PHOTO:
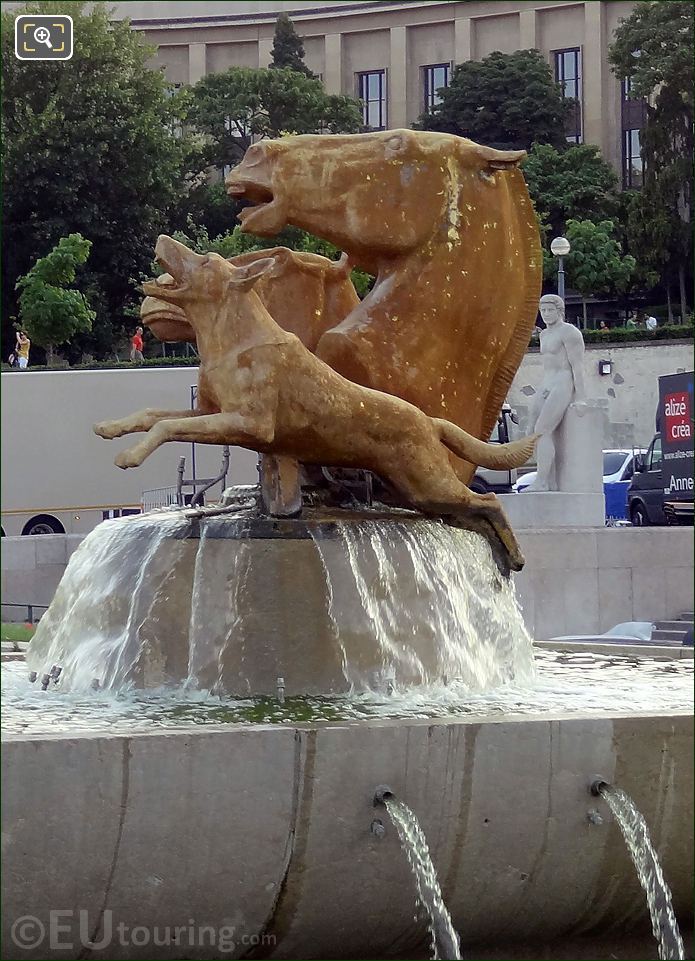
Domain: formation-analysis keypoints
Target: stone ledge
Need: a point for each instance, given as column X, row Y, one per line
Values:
column 535, row 510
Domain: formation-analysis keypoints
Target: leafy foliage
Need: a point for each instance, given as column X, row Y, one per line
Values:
column 573, row 184
column 626, row 335
column 595, row 263
column 507, row 100
column 288, row 48
column 235, row 108
column 653, row 50
column 50, row 313
column 237, row 242
column 89, row 146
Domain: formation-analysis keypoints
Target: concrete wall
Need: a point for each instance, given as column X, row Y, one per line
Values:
column 31, row 569
column 631, row 390
column 585, row 581
column 266, row 831
column 574, row 581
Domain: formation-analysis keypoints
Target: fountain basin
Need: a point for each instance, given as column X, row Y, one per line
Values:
column 241, row 604
column 266, row 829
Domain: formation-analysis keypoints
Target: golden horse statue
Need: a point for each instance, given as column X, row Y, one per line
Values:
column 447, row 227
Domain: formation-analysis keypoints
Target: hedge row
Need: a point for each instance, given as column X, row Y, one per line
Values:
column 618, row 335
column 120, row 365
column 621, row 335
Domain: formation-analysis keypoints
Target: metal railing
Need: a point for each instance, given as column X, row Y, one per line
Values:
column 159, row 497
column 30, row 609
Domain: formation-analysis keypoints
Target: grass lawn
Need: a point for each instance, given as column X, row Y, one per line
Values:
column 16, row 632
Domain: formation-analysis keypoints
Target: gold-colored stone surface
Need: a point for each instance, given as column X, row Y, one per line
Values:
column 260, row 387
column 306, row 294
column 448, row 228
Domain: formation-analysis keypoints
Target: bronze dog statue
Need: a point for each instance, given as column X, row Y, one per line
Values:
column 259, row 387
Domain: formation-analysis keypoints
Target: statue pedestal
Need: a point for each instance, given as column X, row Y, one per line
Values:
column 578, row 446
column 538, row 510
column 579, row 500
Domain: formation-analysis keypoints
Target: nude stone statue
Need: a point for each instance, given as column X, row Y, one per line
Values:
column 562, row 349
column 260, row 387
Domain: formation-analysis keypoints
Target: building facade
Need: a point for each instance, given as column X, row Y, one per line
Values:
column 396, row 56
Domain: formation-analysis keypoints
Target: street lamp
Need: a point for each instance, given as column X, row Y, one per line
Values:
column 559, row 248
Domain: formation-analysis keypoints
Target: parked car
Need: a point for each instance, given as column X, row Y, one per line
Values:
column 618, row 468
column 648, row 501
column 645, row 496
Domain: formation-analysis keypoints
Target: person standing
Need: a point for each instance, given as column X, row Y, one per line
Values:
column 22, row 350
column 650, row 322
column 136, row 345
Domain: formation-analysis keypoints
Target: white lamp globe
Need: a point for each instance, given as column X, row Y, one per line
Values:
column 560, row 247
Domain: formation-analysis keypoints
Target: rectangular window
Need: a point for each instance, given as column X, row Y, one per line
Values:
column 371, row 90
column 633, row 168
column 434, row 78
column 568, row 73
column 632, row 115
column 176, row 126
column 655, row 462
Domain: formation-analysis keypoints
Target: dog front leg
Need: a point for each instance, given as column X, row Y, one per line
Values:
column 222, row 428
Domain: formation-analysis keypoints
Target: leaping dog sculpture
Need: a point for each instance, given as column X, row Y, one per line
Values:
column 259, row 387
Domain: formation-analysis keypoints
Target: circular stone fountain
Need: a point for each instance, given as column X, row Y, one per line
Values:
column 248, row 823
column 241, row 604
column 194, row 774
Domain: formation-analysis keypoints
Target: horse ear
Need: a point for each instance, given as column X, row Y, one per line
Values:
column 342, row 267
column 245, row 277
column 499, row 159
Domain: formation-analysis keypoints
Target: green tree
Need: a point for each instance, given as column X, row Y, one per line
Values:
column 208, row 205
column 89, row 145
column 507, row 100
column 595, row 263
column 51, row 313
column 573, row 184
column 237, row 107
column 236, row 242
column 649, row 236
column 653, row 50
column 288, row 48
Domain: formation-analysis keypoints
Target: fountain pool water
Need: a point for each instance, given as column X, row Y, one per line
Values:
column 562, row 685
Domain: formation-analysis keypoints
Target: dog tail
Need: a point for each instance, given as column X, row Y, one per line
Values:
column 482, row 454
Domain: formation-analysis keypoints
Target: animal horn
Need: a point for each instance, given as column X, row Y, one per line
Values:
column 500, row 159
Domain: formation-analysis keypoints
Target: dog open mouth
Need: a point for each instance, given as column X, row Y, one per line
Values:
column 171, row 257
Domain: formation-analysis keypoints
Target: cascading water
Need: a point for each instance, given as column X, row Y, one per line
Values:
column 92, row 627
column 465, row 621
column 226, row 604
column 445, row 941
column 644, row 857
column 215, row 620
